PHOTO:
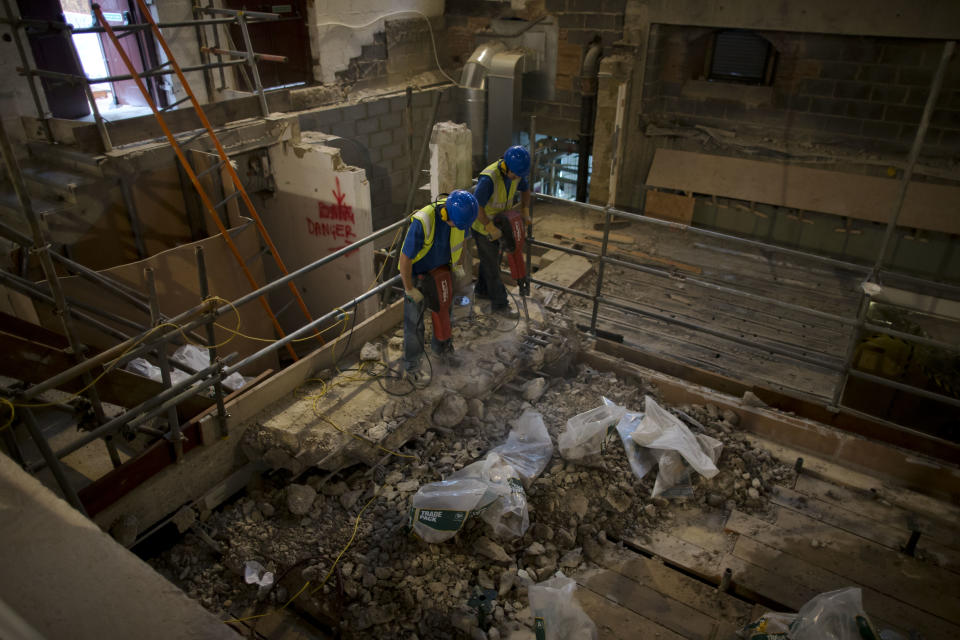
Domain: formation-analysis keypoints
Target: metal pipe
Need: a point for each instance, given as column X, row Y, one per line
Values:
column 310, row 326
column 252, row 61
column 241, row 13
column 123, row 291
column 912, row 338
column 62, row 26
column 588, row 105
column 530, row 182
column 139, row 413
column 88, row 92
column 74, row 79
column 211, row 340
column 600, row 269
column 856, row 268
column 932, row 96
column 173, row 420
column 923, row 393
column 242, row 54
column 21, row 51
column 52, row 461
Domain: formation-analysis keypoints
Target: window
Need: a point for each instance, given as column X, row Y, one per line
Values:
column 740, row 56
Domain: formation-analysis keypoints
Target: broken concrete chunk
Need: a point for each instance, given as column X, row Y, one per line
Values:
column 349, row 499
column 475, row 408
column 450, row 411
column 535, row 549
column 408, row 485
column 490, row 549
column 533, row 389
column 300, row 498
column 370, row 352
column 572, row 558
column 751, row 400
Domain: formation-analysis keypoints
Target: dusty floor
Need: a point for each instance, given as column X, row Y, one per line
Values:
column 395, row 586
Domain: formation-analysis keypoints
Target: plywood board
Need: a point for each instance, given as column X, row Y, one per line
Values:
column 927, row 206
column 615, row 622
column 669, row 206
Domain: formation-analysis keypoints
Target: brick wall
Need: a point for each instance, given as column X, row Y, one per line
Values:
column 375, row 139
column 855, row 92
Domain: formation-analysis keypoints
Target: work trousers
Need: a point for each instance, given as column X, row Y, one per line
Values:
column 489, row 282
column 413, row 338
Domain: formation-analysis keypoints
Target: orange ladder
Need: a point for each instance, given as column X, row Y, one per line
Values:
column 188, row 169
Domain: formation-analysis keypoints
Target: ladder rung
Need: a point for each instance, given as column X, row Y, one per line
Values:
column 210, row 169
column 171, row 106
column 227, row 199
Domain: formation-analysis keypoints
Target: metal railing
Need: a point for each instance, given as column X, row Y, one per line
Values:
column 235, row 58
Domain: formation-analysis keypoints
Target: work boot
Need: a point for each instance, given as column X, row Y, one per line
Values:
column 416, row 377
column 506, row 311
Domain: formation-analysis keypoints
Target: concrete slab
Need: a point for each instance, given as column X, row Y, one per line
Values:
column 67, row 579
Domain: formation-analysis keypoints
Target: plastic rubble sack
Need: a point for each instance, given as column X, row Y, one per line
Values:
column 143, row 367
column 641, row 460
column 528, row 447
column 585, row 438
column 834, row 615
column 440, row 509
column 556, row 613
column 662, row 430
column 673, row 477
column 506, row 514
column 196, row 359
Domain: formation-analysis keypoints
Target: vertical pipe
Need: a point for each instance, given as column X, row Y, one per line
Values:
column 133, row 217
column 88, row 92
column 216, row 43
column 588, row 106
column 855, row 332
column 530, row 182
column 600, row 268
column 52, row 461
column 252, row 61
column 31, row 79
column 172, row 417
column 212, row 340
column 935, row 86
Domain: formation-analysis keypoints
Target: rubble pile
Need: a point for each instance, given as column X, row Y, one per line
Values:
column 392, row 585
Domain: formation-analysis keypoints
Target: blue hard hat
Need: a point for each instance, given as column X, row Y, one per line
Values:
column 461, row 208
column 517, row 159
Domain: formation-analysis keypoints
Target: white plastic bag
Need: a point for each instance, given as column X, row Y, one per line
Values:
column 143, row 367
column 556, row 614
column 660, row 429
column 642, row 461
column 507, row 513
column 834, row 615
column 528, row 447
column 195, row 359
column 440, row 509
column 585, row 438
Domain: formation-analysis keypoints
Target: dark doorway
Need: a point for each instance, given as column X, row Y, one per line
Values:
column 51, row 52
column 286, row 36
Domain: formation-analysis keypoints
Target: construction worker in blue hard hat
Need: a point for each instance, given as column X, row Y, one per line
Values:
column 496, row 190
column 431, row 256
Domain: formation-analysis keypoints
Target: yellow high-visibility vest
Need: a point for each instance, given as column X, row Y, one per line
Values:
column 427, row 217
column 500, row 200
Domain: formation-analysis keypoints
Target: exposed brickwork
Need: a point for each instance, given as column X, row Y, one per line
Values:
column 376, row 140
column 863, row 93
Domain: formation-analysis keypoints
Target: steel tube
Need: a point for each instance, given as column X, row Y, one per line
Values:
column 74, row 79
column 932, row 96
column 141, row 412
column 241, row 54
column 52, row 461
column 707, row 233
column 923, row 393
column 912, row 338
column 251, row 60
column 600, row 269
column 211, row 340
column 237, row 13
column 88, row 92
column 310, row 326
column 15, row 29
column 173, row 420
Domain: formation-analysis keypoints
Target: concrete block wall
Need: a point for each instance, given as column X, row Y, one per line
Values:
column 864, row 93
column 374, row 137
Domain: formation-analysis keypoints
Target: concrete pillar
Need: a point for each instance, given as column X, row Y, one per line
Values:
column 450, row 158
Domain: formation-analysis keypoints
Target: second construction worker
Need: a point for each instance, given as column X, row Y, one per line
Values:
column 496, row 190
column 430, row 257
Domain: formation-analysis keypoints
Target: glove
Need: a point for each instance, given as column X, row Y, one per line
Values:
column 492, row 231
column 526, row 215
column 458, row 272
column 414, row 295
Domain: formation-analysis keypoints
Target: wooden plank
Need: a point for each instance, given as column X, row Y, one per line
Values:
column 618, row 238
column 881, row 533
column 927, row 206
column 651, row 604
column 865, row 563
column 874, row 507
column 669, row 206
column 775, row 572
column 729, row 611
column 680, row 553
column 619, row 623
column 756, row 582
column 636, row 254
